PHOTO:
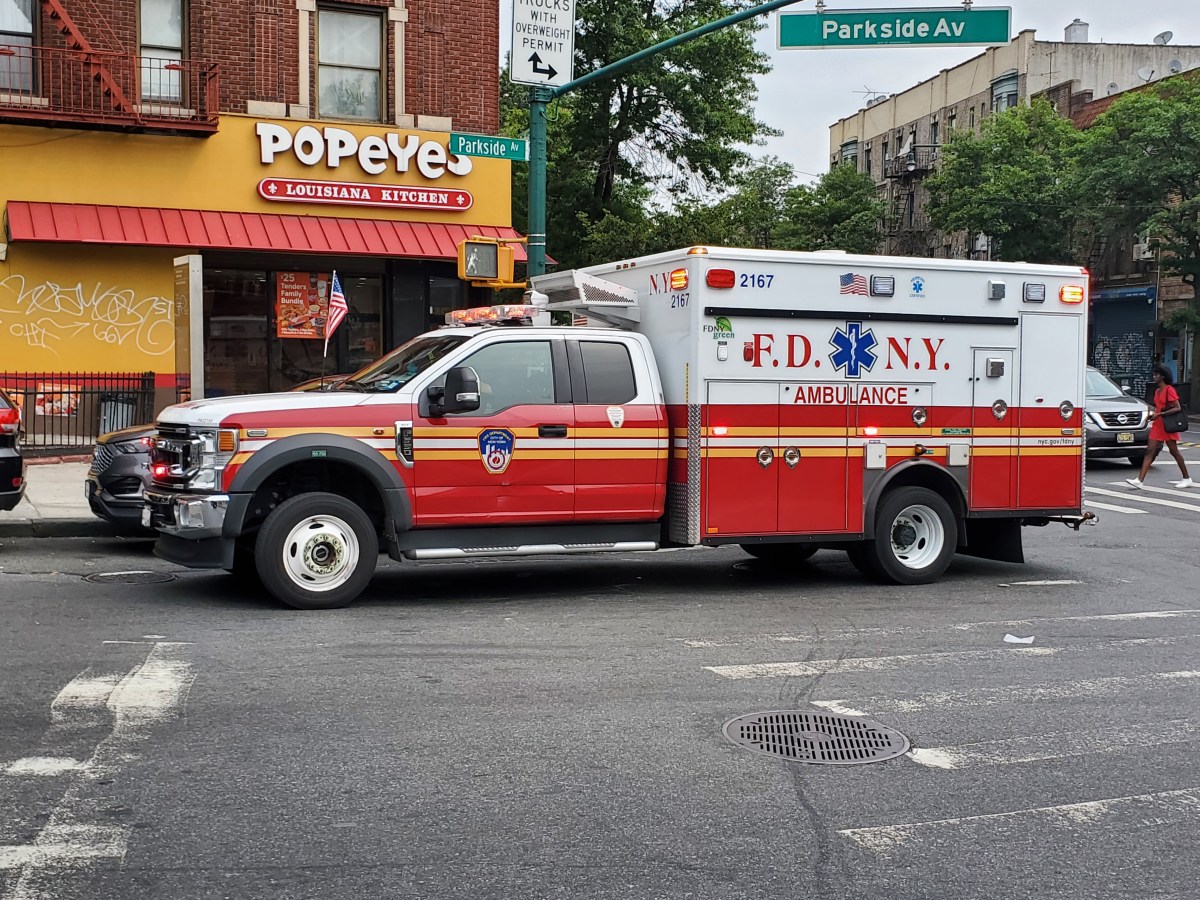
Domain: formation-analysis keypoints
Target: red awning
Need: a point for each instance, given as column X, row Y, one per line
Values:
column 144, row 226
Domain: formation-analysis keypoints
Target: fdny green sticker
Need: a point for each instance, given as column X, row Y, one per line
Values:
column 956, row 431
column 318, row 454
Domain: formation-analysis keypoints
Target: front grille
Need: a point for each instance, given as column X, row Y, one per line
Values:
column 102, row 457
column 1129, row 419
column 171, row 447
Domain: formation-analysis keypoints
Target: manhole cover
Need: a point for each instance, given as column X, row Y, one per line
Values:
column 129, row 577
column 828, row 739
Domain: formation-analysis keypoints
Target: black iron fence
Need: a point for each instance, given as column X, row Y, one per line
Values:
column 66, row 411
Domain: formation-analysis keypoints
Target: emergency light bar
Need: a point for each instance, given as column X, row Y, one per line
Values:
column 508, row 314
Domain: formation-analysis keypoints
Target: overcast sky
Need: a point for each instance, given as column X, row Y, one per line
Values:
column 809, row 90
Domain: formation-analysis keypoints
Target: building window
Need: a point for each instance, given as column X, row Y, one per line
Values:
column 349, row 65
column 1004, row 92
column 971, row 118
column 867, row 162
column 951, row 120
column 161, row 41
column 933, row 132
column 849, row 153
column 885, row 153
column 16, row 36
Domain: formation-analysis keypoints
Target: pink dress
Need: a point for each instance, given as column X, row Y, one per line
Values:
column 1165, row 397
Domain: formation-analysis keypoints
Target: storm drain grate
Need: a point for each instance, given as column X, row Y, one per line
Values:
column 827, row 739
column 129, row 577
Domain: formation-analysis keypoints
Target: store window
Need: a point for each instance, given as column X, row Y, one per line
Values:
column 349, row 64
column 161, row 42
column 237, row 332
column 16, row 37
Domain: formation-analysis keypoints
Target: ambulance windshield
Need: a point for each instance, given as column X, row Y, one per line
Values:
column 399, row 367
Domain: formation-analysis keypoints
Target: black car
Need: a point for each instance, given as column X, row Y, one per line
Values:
column 120, row 469
column 12, row 464
column 1117, row 424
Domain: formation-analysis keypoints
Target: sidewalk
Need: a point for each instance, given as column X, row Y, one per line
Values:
column 54, row 504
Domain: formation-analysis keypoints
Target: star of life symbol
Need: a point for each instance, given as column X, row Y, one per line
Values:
column 918, row 285
column 853, row 349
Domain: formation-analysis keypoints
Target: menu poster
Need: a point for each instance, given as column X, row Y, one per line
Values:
column 301, row 304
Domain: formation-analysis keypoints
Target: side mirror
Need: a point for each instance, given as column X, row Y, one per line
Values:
column 461, row 391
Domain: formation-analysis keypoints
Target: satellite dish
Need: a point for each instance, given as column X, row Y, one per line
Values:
column 1164, row 37
column 1175, row 67
column 1145, row 73
column 1113, row 87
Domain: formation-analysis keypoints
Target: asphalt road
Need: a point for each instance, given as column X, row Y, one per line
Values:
column 553, row 729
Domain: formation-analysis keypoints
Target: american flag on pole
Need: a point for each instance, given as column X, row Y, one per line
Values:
column 337, row 310
column 851, row 284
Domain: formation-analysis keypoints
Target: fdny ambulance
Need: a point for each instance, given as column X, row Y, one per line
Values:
column 900, row 410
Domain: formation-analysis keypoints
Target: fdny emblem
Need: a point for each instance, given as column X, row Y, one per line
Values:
column 496, row 449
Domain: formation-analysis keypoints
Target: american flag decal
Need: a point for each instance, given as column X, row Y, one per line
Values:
column 854, row 284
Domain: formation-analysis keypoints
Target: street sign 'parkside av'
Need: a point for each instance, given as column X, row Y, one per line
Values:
column 953, row 27
column 489, row 147
column 543, row 42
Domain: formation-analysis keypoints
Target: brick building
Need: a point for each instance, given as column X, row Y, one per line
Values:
column 182, row 177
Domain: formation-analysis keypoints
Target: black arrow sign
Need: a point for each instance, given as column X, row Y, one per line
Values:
column 549, row 71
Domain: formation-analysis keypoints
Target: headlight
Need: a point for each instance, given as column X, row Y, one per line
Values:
column 212, row 449
column 137, row 446
column 1094, row 419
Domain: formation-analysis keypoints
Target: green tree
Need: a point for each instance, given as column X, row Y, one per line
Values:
column 1141, row 165
column 842, row 211
column 1015, row 181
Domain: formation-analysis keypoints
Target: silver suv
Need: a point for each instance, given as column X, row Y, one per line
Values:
column 1116, row 423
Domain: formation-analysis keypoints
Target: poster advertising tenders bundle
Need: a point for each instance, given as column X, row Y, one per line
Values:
column 301, row 304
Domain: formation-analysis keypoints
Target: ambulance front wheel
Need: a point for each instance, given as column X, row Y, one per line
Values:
column 316, row 551
column 780, row 553
column 916, row 534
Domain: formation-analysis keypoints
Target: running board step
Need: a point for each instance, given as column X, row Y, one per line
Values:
column 531, row 550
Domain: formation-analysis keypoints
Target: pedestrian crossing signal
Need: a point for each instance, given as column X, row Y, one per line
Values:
column 482, row 261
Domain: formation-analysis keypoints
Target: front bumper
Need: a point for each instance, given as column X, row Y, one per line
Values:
column 121, row 510
column 192, row 517
column 1104, row 444
column 11, row 466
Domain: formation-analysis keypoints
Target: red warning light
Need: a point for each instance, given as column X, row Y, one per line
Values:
column 719, row 278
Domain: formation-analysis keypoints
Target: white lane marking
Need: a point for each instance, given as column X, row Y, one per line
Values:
column 837, row 707
column 1135, row 496
column 1041, row 747
column 1169, row 492
column 1165, row 808
column 64, row 847
column 148, row 695
column 1040, row 583
column 1108, row 507
column 1042, row 623
column 83, row 699
column 883, row 663
column 1092, row 688
column 43, row 766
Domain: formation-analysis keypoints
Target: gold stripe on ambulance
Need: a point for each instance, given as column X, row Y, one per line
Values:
column 349, row 431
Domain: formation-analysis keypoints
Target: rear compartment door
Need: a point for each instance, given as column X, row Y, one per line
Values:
column 1050, row 467
column 993, row 430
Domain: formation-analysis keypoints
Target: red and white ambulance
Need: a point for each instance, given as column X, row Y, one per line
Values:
column 899, row 409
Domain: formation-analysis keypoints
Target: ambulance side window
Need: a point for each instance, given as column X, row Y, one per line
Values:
column 513, row 373
column 608, row 373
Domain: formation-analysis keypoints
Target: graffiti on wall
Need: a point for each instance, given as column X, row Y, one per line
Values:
column 1123, row 357
column 57, row 317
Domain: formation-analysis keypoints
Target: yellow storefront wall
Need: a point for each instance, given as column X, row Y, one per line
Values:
column 80, row 308
column 222, row 172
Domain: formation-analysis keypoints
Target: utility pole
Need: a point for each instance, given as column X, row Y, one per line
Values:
column 541, row 97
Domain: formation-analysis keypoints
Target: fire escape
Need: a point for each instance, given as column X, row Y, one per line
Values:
column 81, row 84
column 907, row 226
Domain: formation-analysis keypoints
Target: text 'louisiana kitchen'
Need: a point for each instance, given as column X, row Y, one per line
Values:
column 551, row 24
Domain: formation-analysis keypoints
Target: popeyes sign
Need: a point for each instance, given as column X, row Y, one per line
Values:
column 335, row 148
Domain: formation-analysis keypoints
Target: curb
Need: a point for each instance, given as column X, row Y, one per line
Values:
column 56, row 528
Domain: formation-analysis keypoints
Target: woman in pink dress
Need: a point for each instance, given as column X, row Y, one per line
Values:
column 1166, row 401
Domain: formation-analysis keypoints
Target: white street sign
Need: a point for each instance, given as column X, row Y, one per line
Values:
column 543, row 42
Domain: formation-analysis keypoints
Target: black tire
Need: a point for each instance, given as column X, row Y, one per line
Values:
column 781, row 553
column 860, row 559
column 339, row 531
column 245, row 569
column 916, row 534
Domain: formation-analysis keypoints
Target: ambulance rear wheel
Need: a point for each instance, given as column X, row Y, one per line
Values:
column 316, row 551
column 916, row 534
column 780, row 553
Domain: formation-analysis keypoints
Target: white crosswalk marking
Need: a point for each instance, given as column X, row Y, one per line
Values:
column 913, row 660
column 1108, row 507
column 1166, row 808
column 1169, row 492
column 1039, row 747
column 1135, row 496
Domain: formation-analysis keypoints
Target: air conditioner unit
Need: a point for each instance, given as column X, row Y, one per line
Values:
column 1142, row 249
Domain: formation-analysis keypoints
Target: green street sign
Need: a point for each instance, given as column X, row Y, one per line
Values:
column 953, row 27
column 489, row 146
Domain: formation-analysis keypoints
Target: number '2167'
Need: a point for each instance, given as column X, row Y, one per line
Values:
column 748, row 280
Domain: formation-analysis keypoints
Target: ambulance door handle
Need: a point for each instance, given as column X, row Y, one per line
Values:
column 552, row 431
